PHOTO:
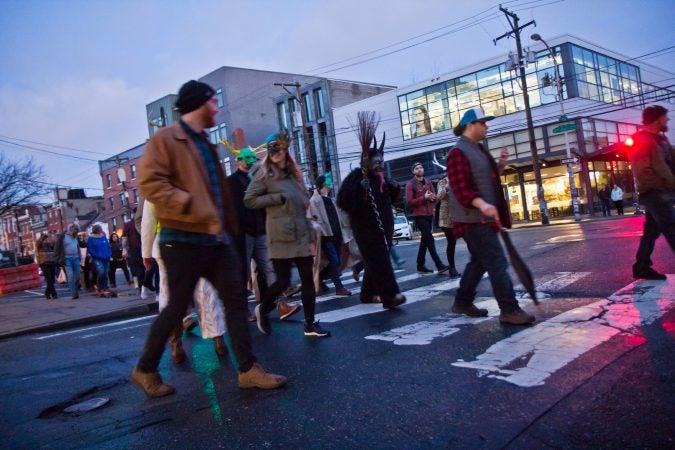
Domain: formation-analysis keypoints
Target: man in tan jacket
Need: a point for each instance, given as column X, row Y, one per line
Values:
column 181, row 175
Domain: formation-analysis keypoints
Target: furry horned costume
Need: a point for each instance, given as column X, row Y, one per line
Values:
column 366, row 195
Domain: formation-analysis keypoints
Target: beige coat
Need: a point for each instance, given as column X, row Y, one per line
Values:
column 444, row 208
column 289, row 231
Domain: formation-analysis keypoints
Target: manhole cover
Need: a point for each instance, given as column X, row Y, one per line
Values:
column 87, row 405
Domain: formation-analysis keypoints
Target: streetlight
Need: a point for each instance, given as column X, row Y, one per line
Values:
column 563, row 117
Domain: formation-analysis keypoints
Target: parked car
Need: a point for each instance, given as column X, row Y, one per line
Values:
column 402, row 228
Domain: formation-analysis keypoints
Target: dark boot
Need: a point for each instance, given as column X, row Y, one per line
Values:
column 176, row 342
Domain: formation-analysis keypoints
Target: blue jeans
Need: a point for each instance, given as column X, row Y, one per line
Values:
column 102, row 267
column 659, row 218
column 256, row 249
column 487, row 255
column 332, row 250
column 72, row 266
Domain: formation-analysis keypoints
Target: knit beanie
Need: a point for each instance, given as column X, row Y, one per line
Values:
column 192, row 95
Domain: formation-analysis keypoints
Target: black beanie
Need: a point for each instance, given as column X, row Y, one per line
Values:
column 653, row 113
column 192, row 95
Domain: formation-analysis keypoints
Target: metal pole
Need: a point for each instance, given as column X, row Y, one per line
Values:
column 570, row 166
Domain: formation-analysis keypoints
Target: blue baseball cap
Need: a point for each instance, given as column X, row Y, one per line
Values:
column 474, row 115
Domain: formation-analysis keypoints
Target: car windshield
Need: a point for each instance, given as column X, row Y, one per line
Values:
column 399, row 219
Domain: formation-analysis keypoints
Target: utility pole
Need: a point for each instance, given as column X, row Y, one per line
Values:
column 309, row 154
column 515, row 30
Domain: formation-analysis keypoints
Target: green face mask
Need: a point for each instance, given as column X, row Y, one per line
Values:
column 247, row 157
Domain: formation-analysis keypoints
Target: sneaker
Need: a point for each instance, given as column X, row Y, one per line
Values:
column 649, row 274
column 343, row 292
column 423, row 270
column 314, row 329
column 257, row 377
column 145, row 292
column 151, row 383
column 285, row 310
column 442, row 269
column 516, row 317
column 469, row 310
column 452, row 273
column 262, row 321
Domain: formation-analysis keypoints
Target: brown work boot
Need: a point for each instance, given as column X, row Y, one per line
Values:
column 469, row 310
column 342, row 292
column 219, row 346
column 285, row 310
column 151, row 383
column 516, row 317
column 257, row 377
column 176, row 342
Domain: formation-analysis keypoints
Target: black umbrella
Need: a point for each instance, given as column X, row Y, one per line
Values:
column 520, row 267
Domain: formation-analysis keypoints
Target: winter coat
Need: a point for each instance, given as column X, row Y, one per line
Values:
column 444, row 208
column 98, row 247
column 616, row 194
column 650, row 166
column 45, row 252
column 418, row 205
column 288, row 229
column 172, row 175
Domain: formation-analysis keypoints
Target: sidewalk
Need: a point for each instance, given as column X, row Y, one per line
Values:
column 29, row 312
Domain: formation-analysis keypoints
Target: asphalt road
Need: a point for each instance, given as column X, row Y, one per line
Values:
column 595, row 371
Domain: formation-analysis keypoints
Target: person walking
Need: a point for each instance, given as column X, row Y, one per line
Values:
column 253, row 241
column 67, row 251
column 278, row 188
column 368, row 204
column 181, row 175
column 324, row 212
column 117, row 261
column 445, row 223
column 653, row 162
column 617, row 198
column 98, row 248
column 603, row 195
column 478, row 212
column 131, row 238
column 421, row 199
column 46, row 259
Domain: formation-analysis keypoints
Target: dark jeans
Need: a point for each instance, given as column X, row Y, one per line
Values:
column 118, row 264
column 185, row 264
column 102, row 267
column 49, row 272
column 450, row 247
column 487, row 255
column 332, row 250
column 619, row 207
column 423, row 223
column 659, row 218
column 282, row 268
column 151, row 277
column 606, row 208
column 136, row 265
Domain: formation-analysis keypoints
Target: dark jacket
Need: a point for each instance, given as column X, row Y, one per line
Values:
column 414, row 197
column 251, row 221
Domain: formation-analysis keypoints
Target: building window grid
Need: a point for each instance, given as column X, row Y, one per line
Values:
column 132, row 168
column 439, row 107
column 282, row 115
column 318, row 101
column 136, row 196
column 108, row 180
column 219, row 98
column 111, row 201
column 309, row 110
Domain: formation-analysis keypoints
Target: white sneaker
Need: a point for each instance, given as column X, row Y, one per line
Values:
column 145, row 293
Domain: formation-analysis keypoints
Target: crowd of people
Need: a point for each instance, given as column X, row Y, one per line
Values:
column 207, row 241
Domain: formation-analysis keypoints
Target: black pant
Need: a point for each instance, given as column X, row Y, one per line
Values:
column 49, row 272
column 118, row 264
column 136, row 265
column 450, row 248
column 427, row 243
column 619, row 206
column 185, row 264
column 282, row 268
column 151, row 277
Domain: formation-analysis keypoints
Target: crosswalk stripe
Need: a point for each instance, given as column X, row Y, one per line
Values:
column 531, row 356
column 423, row 333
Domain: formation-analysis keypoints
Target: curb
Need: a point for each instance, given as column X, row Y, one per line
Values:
column 131, row 311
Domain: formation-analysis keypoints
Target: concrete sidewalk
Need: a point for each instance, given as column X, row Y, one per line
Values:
column 29, row 312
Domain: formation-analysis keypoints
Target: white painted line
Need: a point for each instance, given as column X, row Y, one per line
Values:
column 557, row 283
column 81, row 330
column 413, row 295
column 529, row 357
column 87, row 336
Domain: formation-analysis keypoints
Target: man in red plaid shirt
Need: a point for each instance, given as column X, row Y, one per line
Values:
column 478, row 212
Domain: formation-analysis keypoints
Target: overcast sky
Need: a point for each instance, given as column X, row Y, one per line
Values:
column 77, row 74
